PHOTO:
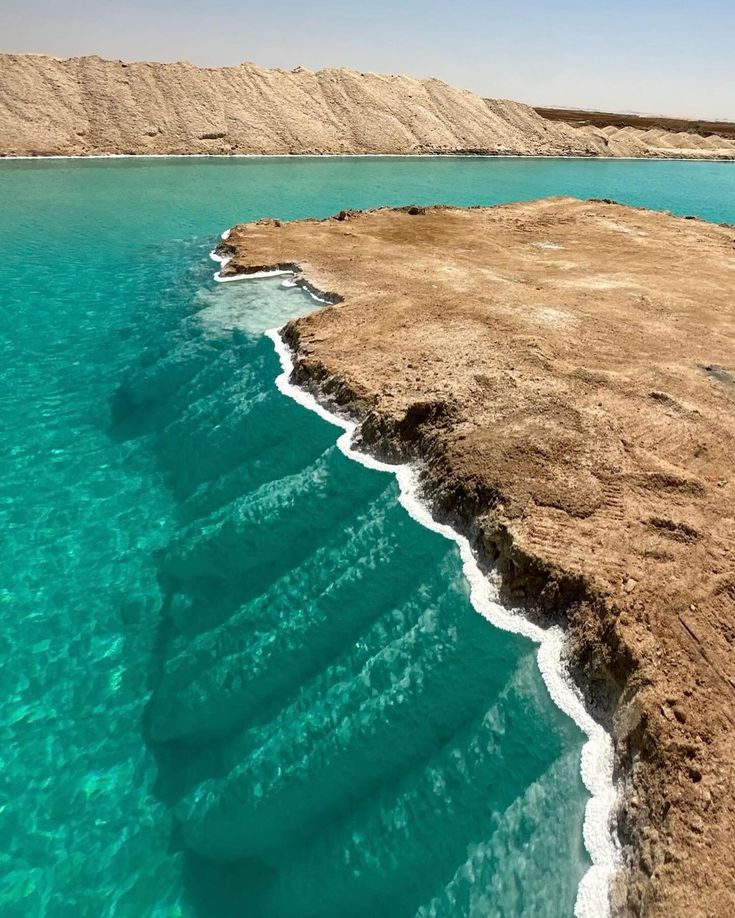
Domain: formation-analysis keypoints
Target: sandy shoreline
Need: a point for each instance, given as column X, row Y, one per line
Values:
column 9, row 157
column 517, row 353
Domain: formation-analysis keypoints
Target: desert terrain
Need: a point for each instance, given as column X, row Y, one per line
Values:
column 584, row 118
column 87, row 105
column 564, row 373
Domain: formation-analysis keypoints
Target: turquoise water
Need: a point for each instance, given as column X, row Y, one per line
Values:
column 237, row 679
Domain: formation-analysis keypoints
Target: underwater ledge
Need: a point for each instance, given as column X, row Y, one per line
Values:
column 601, row 842
column 493, row 385
column 486, row 587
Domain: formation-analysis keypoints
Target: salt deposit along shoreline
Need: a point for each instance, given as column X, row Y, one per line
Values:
column 596, row 765
column 558, row 369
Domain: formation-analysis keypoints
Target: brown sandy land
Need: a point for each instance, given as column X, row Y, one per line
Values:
column 578, row 116
column 565, row 372
column 650, row 136
column 87, row 105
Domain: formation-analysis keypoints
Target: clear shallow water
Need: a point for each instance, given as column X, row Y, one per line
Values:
column 223, row 643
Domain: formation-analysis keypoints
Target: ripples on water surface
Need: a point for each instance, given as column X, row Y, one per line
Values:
column 237, row 679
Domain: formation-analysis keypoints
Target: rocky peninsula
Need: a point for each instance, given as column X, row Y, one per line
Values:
column 87, row 105
column 564, row 373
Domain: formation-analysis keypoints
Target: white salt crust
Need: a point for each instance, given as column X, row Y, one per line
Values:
column 255, row 275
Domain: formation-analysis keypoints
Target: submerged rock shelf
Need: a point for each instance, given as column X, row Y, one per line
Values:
column 337, row 731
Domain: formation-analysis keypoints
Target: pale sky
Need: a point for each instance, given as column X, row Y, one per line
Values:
column 652, row 56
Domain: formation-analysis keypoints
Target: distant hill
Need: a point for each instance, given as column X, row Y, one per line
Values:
column 87, row 105
column 583, row 117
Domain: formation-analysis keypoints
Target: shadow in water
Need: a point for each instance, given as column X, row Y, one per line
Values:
column 337, row 732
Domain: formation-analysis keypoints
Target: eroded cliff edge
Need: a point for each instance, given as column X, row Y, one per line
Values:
column 565, row 373
column 87, row 105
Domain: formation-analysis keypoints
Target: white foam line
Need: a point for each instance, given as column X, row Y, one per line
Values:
column 597, row 753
